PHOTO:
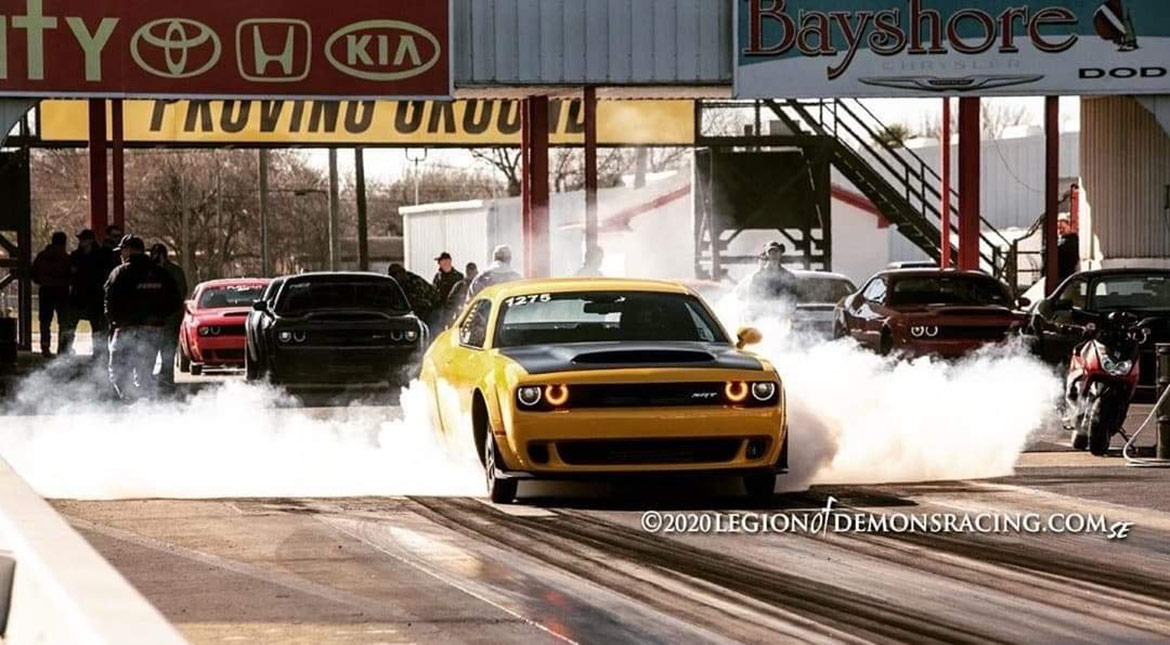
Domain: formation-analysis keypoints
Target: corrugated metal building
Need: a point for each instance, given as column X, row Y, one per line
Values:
column 587, row 42
column 1125, row 155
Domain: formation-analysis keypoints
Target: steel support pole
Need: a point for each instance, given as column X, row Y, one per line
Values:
column 265, row 260
column 334, row 214
column 945, row 260
column 590, row 168
column 1051, row 193
column 536, row 227
column 969, row 183
column 363, row 232
column 1163, row 354
column 118, row 162
column 99, row 209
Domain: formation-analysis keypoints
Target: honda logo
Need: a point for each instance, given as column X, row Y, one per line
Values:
column 274, row 50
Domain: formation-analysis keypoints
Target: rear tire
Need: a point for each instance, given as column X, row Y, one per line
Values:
column 760, row 486
column 501, row 491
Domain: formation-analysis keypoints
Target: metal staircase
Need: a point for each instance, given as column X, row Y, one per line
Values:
column 901, row 185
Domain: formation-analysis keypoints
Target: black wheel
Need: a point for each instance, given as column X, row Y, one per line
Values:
column 839, row 330
column 184, row 361
column 501, row 491
column 886, row 344
column 760, row 486
column 1080, row 441
column 196, row 369
column 1100, row 426
column 251, row 369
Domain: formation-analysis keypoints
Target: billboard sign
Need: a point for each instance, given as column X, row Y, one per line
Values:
column 466, row 123
column 893, row 48
column 225, row 48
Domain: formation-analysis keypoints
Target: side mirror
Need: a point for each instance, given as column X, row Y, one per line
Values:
column 260, row 305
column 748, row 336
column 1023, row 303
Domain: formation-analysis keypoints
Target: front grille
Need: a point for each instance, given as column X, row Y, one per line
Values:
column 646, row 395
column 648, row 451
column 234, row 330
column 354, row 338
column 972, row 332
column 225, row 355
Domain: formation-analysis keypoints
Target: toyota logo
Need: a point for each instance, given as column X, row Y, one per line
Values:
column 175, row 47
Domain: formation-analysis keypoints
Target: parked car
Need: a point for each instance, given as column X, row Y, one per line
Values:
column 929, row 311
column 817, row 295
column 333, row 329
column 595, row 378
column 212, row 332
column 1085, row 297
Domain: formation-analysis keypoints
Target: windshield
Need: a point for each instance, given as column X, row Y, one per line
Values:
column 599, row 317
column 233, row 296
column 822, row 290
column 1132, row 293
column 330, row 294
column 948, row 290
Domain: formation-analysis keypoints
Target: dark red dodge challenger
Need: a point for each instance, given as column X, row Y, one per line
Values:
column 929, row 311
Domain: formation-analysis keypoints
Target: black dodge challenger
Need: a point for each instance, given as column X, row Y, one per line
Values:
column 333, row 329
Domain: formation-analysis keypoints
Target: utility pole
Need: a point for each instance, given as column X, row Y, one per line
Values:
column 363, row 232
column 334, row 214
column 413, row 154
column 265, row 265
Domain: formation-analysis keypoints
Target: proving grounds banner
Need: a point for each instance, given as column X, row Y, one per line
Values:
column 899, row 48
column 464, row 123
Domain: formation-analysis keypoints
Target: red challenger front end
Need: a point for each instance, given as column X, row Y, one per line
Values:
column 919, row 312
column 212, row 334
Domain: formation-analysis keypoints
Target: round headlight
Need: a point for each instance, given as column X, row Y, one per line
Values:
column 204, row 331
column 736, row 391
column 557, row 395
column 396, row 335
column 918, row 331
column 529, row 395
column 931, row 331
column 763, row 391
column 285, row 336
column 299, row 336
column 411, row 335
column 215, row 331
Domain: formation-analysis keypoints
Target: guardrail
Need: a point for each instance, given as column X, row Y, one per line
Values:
column 56, row 589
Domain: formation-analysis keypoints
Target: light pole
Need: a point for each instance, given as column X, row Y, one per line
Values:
column 417, row 155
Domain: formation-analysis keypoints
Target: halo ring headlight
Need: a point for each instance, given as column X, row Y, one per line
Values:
column 556, row 395
column 299, row 336
column 763, row 391
column 529, row 395
column 736, row 391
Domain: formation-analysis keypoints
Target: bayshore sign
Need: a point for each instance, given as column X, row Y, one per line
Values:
column 225, row 48
column 891, row 48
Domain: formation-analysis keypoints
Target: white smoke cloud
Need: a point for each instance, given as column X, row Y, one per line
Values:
column 859, row 418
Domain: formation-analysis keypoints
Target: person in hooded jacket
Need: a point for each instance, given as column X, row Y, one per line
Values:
column 50, row 271
column 140, row 296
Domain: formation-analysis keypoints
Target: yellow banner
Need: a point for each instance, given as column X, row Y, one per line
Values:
column 465, row 123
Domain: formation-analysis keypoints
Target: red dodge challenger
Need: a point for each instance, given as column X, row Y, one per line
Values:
column 212, row 334
column 929, row 311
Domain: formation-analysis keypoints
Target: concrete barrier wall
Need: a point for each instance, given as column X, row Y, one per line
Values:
column 63, row 592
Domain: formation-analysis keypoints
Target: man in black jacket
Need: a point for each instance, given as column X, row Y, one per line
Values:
column 140, row 296
column 445, row 280
column 50, row 270
column 87, row 277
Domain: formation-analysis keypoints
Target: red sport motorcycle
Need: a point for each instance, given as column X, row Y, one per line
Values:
column 1102, row 378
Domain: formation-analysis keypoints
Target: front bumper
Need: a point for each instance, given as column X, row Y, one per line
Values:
column 677, row 440
column 218, row 350
column 342, row 365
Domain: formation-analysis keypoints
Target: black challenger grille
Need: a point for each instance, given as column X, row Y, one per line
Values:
column 648, row 451
column 646, row 395
column 972, row 332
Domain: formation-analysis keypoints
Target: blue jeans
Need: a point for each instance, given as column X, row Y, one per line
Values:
column 132, row 354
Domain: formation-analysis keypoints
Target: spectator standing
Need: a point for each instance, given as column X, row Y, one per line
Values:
column 87, row 274
column 444, row 282
column 140, row 296
column 498, row 272
column 458, row 296
column 50, row 271
column 423, row 298
column 591, row 268
column 170, row 340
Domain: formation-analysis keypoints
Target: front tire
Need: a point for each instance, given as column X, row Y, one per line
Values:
column 251, row 369
column 886, row 343
column 196, row 369
column 184, row 361
column 1100, row 424
column 760, row 486
column 501, row 491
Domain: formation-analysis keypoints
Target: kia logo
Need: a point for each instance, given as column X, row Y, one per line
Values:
column 274, row 50
column 383, row 50
column 184, row 49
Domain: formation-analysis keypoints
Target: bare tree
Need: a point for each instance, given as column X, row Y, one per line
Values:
column 506, row 161
column 998, row 117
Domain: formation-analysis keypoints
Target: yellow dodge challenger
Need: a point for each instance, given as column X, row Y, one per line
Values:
column 574, row 378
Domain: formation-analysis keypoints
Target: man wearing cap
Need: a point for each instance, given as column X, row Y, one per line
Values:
column 444, row 281
column 498, row 272
column 140, row 296
column 458, row 296
column 771, row 281
column 50, row 271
